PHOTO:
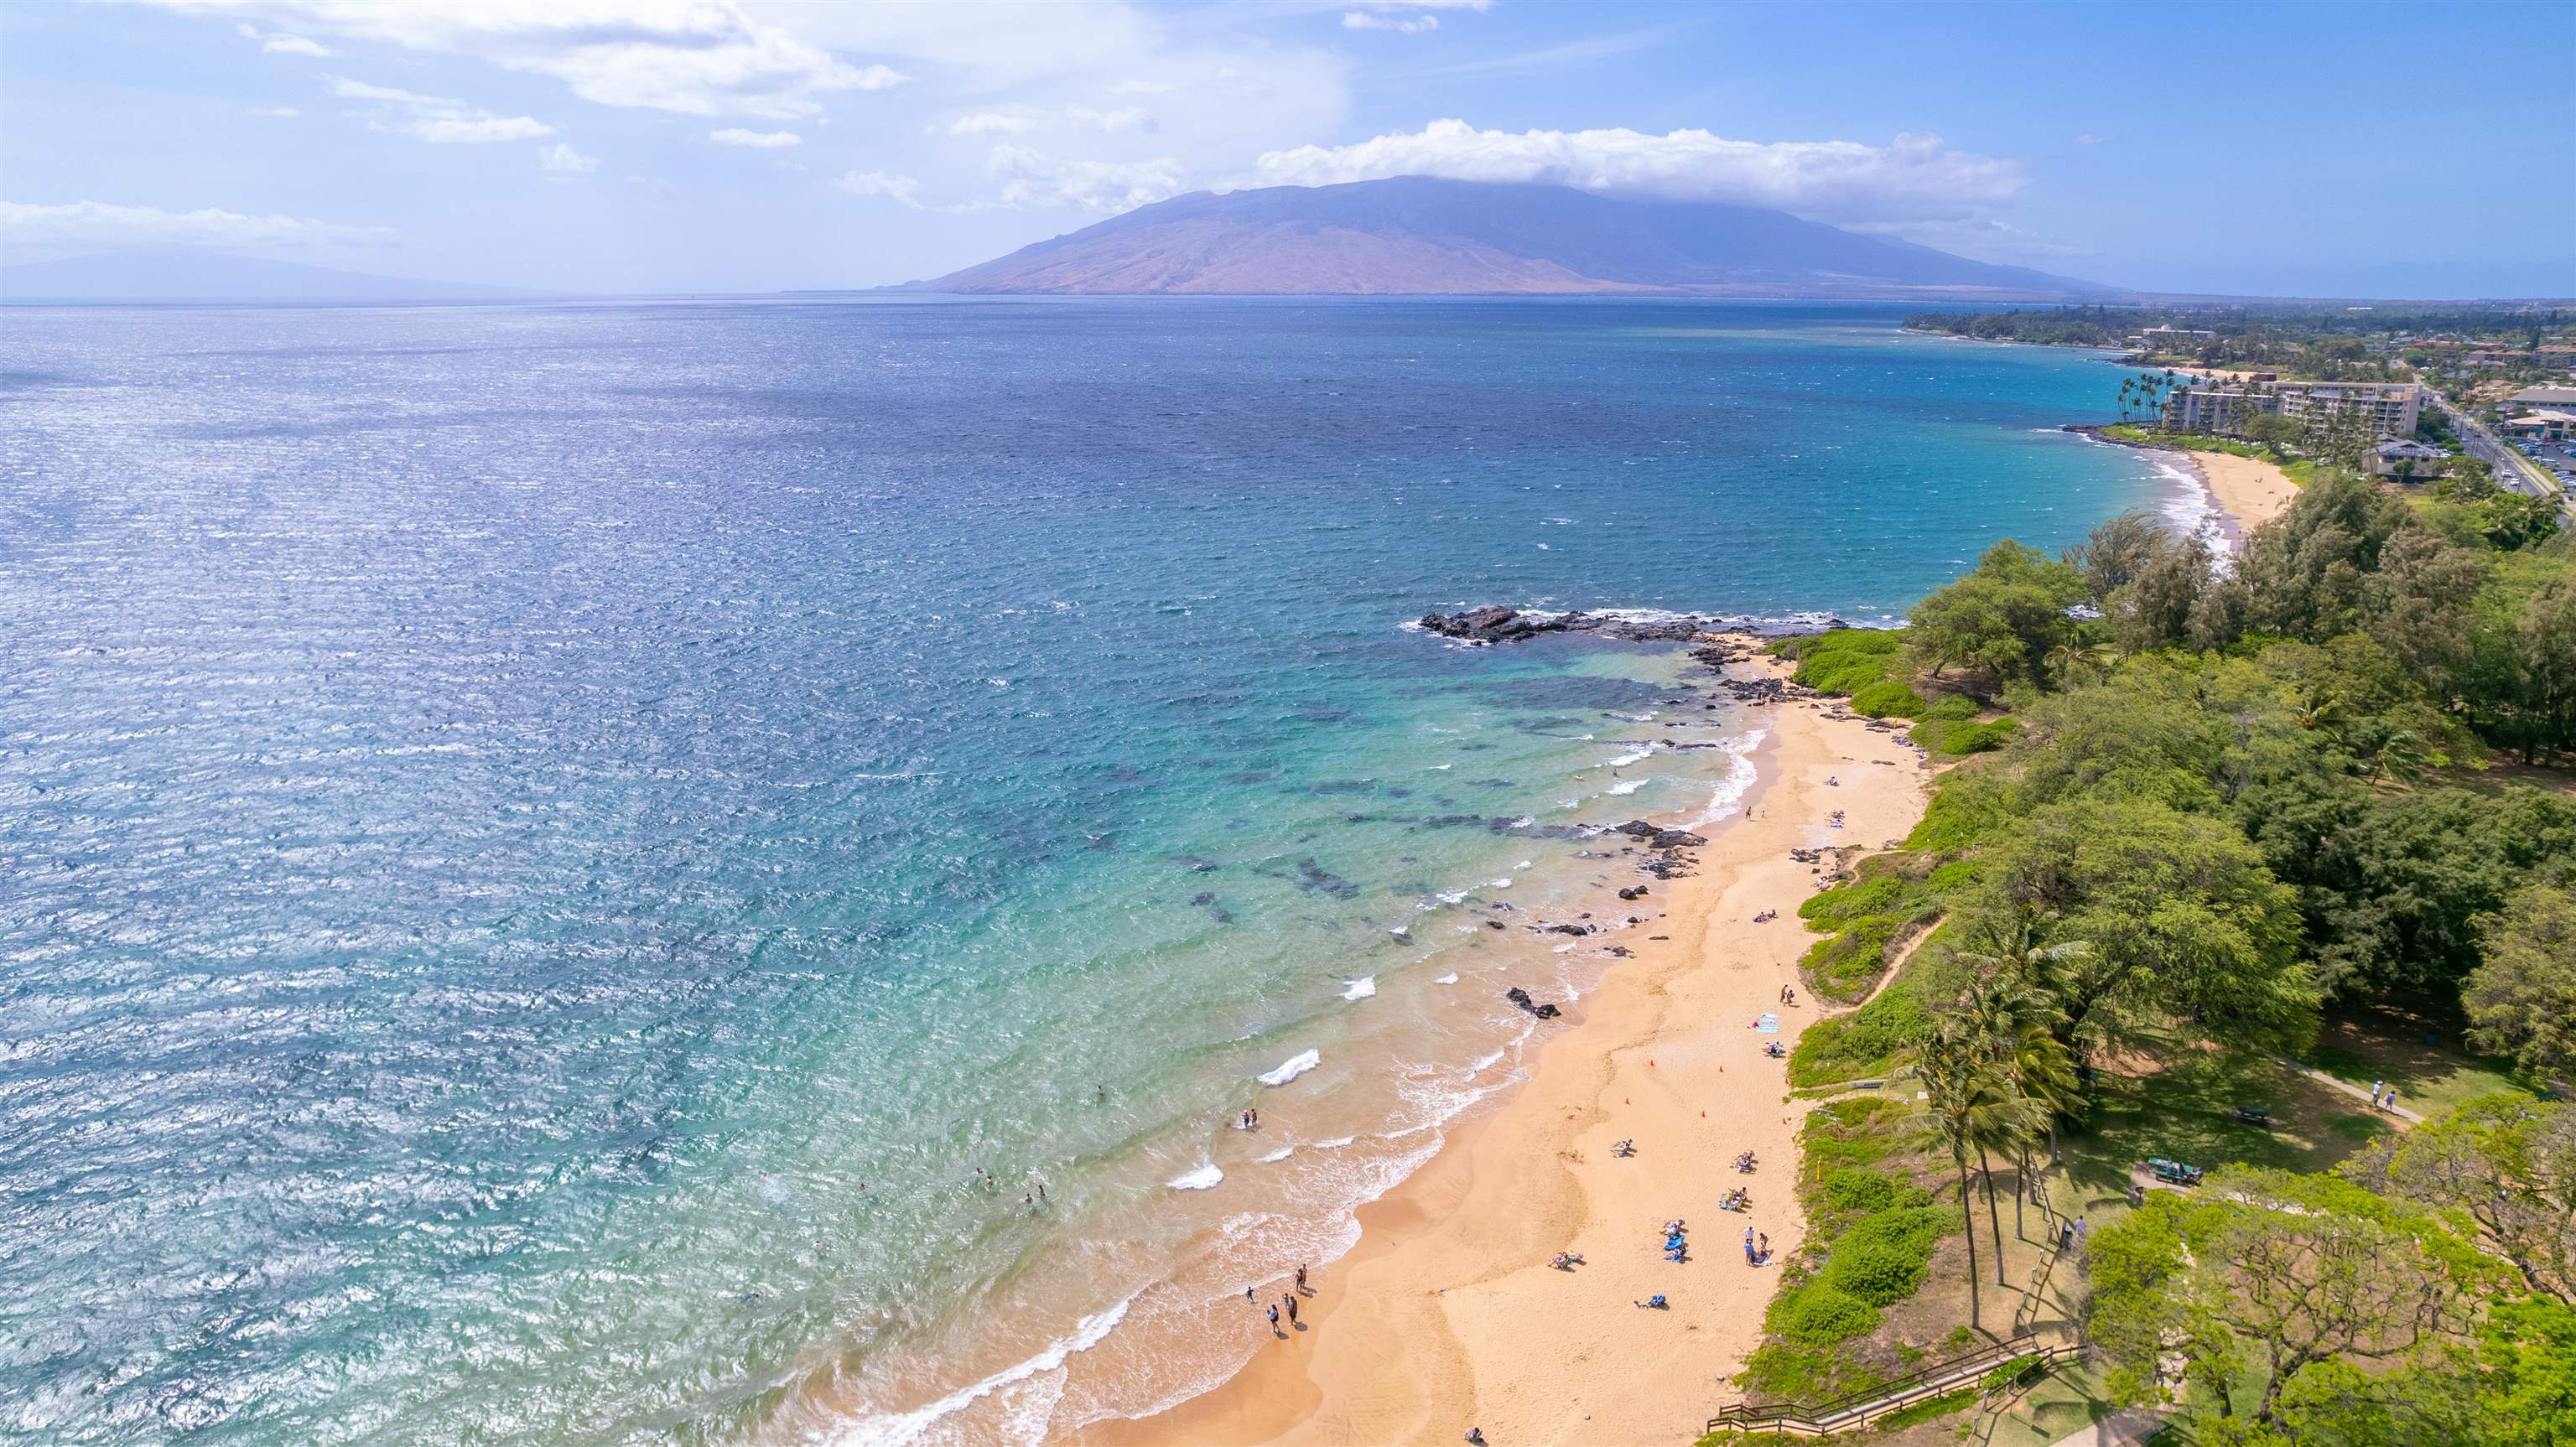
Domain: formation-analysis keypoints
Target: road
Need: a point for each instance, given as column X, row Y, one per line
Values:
column 2512, row 469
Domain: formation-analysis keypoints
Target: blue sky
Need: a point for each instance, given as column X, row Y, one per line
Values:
column 667, row 145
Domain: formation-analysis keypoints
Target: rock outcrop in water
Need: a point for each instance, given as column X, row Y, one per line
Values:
column 1510, row 625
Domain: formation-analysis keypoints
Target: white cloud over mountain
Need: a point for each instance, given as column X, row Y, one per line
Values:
column 1916, row 178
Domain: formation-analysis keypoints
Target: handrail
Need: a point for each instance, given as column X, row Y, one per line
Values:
column 1868, row 1402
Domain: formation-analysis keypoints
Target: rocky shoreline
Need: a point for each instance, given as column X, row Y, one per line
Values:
column 1498, row 624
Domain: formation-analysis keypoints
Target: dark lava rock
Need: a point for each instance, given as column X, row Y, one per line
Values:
column 1676, row 839
column 1490, row 625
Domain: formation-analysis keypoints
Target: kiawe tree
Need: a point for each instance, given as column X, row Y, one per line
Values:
column 2263, row 1274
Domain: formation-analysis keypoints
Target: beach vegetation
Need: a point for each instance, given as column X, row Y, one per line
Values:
column 2001, row 619
column 1887, row 698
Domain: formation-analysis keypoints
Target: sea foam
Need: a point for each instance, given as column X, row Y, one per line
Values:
column 1290, row 1069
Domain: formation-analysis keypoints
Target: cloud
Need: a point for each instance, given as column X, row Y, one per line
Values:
column 1915, row 178
column 764, row 140
column 698, row 57
column 94, row 224
column 1405, row 25
column 563, row 160
column 1034, row 180
column 903, row 190
column 2089, row 139
column 284, row 44
column 1983, row 239
column 275, row 113
column 435, row 118
column 1016, row 120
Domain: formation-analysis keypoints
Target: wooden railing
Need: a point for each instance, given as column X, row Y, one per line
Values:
column 1859, row 1409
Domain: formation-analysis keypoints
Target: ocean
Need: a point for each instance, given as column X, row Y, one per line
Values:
column 564, row 869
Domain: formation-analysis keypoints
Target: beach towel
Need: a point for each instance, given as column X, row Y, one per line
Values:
column 1769, row 1024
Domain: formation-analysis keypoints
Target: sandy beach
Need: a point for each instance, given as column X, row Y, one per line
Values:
column 2251, row 491
column 1448, row 1315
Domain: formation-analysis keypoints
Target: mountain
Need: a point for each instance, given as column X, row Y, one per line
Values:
column 1417, row 235
column 184, row 275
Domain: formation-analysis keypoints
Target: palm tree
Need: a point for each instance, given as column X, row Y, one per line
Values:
column 2125, row 384
column 2009, row 948
column 2013, row 1023
column 1970, row 1105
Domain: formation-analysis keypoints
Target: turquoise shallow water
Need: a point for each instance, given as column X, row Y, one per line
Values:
column 510, row 816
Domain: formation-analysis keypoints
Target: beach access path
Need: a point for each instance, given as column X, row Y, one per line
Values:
column 1448, row 1314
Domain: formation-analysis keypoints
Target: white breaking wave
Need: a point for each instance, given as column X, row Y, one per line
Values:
column 1361, row 988
column 1450, row 978
column 1200, row 1179
column 1629, row 786
column 1281, row 1154
column 1293, row 1067
column 898, row 1428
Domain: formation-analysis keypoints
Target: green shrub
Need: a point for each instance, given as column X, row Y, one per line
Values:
column 1911, row 1230
column 1962, row 739
column 1885, row 697
column 1846, row 966
column 1952, row 877
column 1862, row 1043
column 1878, row 1272
column 1846, row 660
column 1833, row 908
column 1967, row 805
column 1818, row 1314
column 1852, row 1189
column 1954, row 709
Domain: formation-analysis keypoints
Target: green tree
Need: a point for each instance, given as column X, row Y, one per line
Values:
column 2540, row 670
column 2507, row 1163
column 2003, row 617
column 1967, row 1106
column 2112, row 553
column 2184, row 921
column 2526, row 1385
column 2515, row 520
column 2265, row 1273
column 2304, row 570
column 2420, row 604
column 2521, row 998
column 2465, row 479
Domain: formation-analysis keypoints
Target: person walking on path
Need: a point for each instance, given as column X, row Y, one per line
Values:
column 2374, row 1090
column 2392, row 1100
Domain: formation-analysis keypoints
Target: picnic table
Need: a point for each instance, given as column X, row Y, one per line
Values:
column 2173, row 1173
column 2254, row 1115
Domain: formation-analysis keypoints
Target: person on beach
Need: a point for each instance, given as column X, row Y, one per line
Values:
column 1764, row 1242
column 1748, row 1245
column 1274, row 1323
column 1301, row 1276
column 1248, row 1296
column 1291, row 1299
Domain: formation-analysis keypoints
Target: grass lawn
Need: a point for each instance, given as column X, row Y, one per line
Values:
column 2185, row 1110
column 2387, row 1041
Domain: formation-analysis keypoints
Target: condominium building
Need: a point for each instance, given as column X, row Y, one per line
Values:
column 2217, row 406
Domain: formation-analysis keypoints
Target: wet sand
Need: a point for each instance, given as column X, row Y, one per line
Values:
column 1448, row 1314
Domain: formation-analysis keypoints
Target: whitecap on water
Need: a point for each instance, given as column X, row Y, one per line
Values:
column 1292, row 1067
column 1197, row 1180
column 1450, row 978
column 1361, row 988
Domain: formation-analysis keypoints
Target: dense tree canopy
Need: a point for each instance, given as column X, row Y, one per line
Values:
column 2521, row 997
column 2004, row 617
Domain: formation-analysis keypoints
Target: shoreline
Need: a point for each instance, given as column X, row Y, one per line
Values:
column 1447, row 1314
column 2245, row 492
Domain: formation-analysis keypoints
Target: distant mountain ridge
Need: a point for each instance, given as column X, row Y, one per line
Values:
column 1420, row 235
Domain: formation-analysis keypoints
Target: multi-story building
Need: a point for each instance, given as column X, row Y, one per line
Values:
column 2391, row 407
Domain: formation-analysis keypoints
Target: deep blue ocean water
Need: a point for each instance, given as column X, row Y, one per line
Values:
column 510, row 816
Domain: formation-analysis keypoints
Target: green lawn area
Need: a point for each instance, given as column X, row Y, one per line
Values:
column 2384, row 1041
column 2186, row 1111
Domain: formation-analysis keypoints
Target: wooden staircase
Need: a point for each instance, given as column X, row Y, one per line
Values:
column 1859, row 1409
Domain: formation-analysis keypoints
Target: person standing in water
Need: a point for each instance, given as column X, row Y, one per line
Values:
column 1301, row 1276
column 1291, row 1299
column 1274, row 1322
